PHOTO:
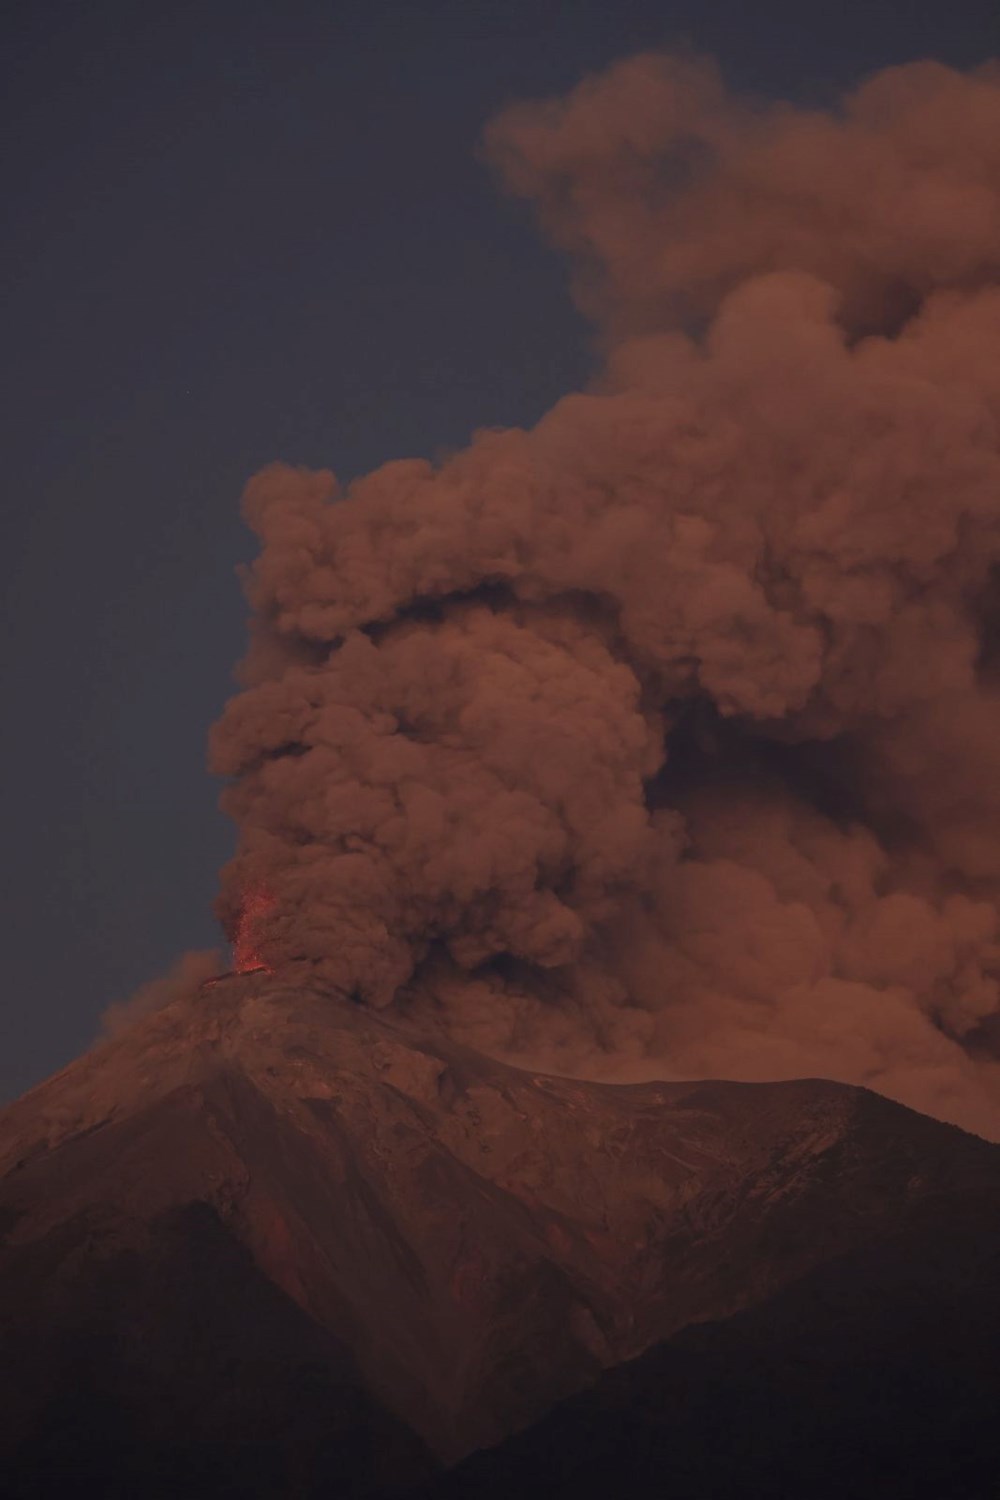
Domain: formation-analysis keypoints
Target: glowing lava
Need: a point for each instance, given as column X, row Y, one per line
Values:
column 246, row 951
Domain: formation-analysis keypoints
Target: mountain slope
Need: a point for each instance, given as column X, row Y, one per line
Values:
column 875, row 1376
column 430, row 1248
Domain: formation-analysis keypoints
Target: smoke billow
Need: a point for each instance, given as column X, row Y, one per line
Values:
column 182, row 981
column 662, row 739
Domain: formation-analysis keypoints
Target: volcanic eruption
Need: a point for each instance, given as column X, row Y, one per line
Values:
column 652, row 746
column 246, row 943
column 658, row 741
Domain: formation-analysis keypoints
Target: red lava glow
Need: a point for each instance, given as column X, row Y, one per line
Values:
column 246, row 953
column 209, row 984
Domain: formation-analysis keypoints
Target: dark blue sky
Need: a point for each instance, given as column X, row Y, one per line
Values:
column 239, row 231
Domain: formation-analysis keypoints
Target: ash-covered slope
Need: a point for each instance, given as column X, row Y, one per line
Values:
column 271, row 1235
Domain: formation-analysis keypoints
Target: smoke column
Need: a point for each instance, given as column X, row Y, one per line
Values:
column 662, row 740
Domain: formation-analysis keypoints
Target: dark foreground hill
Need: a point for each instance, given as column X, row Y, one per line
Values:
column 268, row 1244
column 874, row 1377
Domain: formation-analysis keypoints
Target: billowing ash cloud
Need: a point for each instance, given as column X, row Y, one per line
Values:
column 664, row 739
column 182, row 981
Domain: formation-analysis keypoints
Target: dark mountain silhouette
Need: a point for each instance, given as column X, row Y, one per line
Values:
column 267, row 1243
column 874, row 1377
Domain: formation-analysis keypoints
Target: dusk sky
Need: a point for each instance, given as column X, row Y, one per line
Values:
column 240, row 232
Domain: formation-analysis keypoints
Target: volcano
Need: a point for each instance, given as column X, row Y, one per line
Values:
column 268, row 1242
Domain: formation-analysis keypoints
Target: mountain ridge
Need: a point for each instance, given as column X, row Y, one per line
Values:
column 477, row 1242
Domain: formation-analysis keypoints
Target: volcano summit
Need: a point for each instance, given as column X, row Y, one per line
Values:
column 270, row 1243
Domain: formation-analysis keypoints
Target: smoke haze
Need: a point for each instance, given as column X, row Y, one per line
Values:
column 661, row 740
column 181, row 982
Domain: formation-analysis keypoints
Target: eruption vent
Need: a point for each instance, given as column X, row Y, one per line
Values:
column 253, row 911
column 661, row 739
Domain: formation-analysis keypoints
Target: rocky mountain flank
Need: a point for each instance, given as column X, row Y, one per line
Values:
column 270, row 1243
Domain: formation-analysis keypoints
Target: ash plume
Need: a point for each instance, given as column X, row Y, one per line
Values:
column 182, row 981
column 661, row 739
